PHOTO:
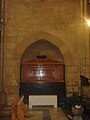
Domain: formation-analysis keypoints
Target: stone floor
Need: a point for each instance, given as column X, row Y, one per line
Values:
column 57, row 114
column 48, row 114
column 44, row 114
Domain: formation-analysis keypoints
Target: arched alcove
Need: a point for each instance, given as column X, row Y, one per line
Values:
column 43, row 71
column 42, row 47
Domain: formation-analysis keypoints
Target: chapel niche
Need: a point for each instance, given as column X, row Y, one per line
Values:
column 43, row 71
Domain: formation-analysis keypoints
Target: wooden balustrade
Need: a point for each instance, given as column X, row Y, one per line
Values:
column 19, row 109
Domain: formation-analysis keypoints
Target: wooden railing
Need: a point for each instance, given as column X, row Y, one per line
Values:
column 18, row 109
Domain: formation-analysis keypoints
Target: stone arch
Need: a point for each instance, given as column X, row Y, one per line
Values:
column 42, row 47
column 20, row 48
column 64, row 48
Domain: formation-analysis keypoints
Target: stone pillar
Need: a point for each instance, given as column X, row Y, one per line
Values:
column 0, row 64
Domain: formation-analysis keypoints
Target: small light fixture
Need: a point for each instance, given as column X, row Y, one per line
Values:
column 88, row 22
column 2, row 19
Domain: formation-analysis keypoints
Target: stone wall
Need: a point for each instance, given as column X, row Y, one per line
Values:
column 57, row 21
